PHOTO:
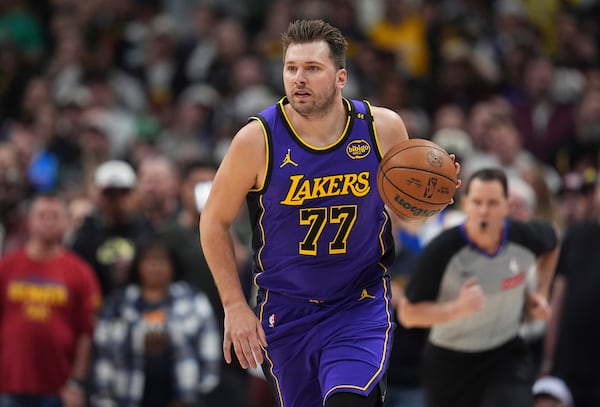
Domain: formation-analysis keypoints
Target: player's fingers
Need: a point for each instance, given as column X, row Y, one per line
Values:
column 262, row 337
column 239, row 352
column 257, row 354
column 227, row 349
column 456, row 163
column 248, row 353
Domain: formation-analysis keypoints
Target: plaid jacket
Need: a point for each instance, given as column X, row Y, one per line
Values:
column 119, row 346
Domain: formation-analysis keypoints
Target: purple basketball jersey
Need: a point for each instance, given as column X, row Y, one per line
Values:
column 320, row 228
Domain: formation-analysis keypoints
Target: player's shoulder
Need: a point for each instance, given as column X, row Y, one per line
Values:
column 384, row 114
column 248, row 139
column 389, row 126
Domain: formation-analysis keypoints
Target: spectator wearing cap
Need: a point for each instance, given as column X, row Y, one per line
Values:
column 107, row 236
column 550, row 391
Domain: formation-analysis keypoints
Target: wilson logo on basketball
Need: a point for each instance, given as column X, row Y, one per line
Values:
column 415, row 210
column 358, row 149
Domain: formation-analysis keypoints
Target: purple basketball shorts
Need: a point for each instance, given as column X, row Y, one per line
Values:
column 317, row 349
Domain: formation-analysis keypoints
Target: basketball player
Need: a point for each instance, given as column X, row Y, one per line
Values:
column 472, row 285
column 307, row 169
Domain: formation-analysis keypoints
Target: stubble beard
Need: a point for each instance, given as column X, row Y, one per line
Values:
column 320, row 106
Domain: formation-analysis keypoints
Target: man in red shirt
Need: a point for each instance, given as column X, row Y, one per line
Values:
column 48, row 297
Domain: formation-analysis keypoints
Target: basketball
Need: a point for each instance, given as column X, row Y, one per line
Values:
column 416, row 179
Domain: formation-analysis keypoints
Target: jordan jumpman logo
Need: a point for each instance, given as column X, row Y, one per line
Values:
column 365, row 294
column 288, row 160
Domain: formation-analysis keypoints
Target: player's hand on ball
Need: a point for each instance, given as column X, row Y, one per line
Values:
column 417, row 179
column 458, row 180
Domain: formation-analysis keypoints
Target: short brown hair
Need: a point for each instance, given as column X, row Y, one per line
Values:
column 303, row 31
column 487, row 175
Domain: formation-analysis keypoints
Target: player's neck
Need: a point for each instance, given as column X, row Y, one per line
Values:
column 320, row 130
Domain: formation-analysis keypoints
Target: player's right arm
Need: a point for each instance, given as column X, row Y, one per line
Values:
column 242, row 169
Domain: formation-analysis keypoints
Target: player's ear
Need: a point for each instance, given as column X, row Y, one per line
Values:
column 341, row 77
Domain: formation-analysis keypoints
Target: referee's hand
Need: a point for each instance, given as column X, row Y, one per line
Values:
column 537, row 307
column 471, row 298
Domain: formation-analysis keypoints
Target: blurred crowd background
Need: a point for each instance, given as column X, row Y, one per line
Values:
column 162, row 86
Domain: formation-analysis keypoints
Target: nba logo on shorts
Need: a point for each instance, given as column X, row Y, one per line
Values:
column 272, row 321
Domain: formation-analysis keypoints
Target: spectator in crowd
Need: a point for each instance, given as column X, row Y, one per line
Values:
column 157, row 341
column 544, row 122
column 48, row 299
column 192, row 132
column 401, row 30
column 197, row 47
column 572, row 351
column 582, row 150
column 107, row 237
column 473, row 286
column 503, row 149
column 183, row 236
column 13, row 192
column 158, row 190
column 576, row 196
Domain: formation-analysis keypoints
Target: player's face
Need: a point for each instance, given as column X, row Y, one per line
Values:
column 312, row 81
column 485, row 204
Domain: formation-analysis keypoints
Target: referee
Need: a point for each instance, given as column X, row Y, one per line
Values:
column 474, row 285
